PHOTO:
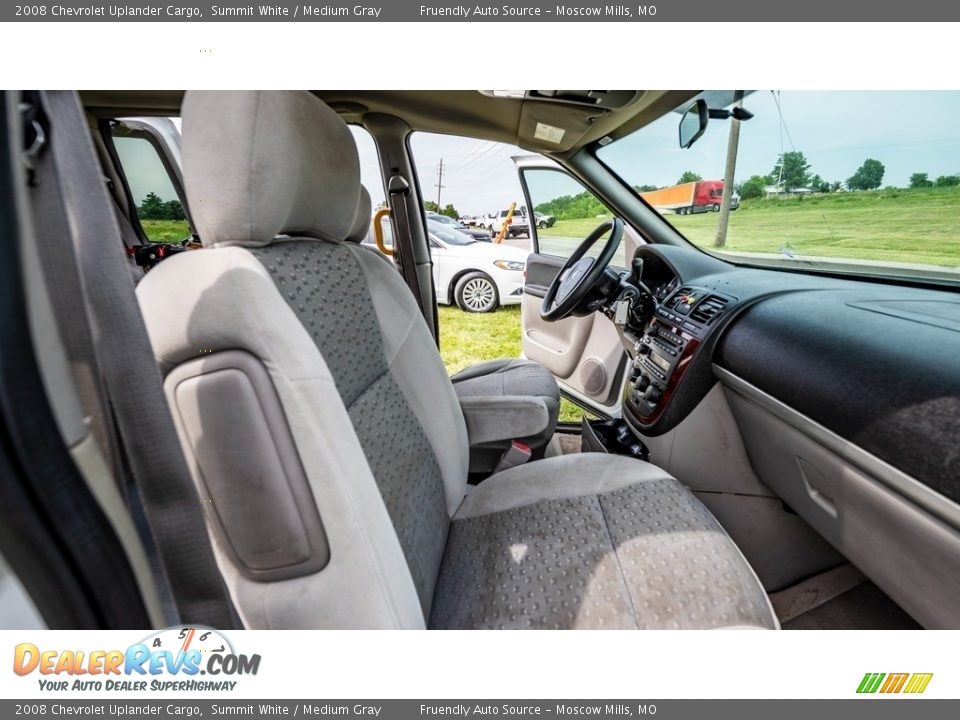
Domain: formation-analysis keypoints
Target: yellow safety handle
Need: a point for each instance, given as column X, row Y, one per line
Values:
column 506, row 224
column 378, row 231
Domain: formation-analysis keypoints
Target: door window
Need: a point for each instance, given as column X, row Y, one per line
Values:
column 566, row 212
column 155, row 199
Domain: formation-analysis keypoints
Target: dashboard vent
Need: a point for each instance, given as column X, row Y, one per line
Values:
column 685, row 290
column 708, row 309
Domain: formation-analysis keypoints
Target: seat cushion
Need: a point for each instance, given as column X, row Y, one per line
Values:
column 507, row 376
column 512, row 377
column 592, row 541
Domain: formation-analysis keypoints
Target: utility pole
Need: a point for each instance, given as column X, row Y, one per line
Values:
column 439, row 184
column 733, row 145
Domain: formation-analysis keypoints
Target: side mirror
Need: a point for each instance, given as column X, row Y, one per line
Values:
column 693, row 123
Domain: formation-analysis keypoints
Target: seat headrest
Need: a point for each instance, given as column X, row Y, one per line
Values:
column 258, row 164
column 361, row 223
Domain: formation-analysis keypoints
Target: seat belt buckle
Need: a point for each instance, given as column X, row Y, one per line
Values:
column 517, row 454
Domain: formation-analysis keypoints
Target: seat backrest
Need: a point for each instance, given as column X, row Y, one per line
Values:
column 311, row 402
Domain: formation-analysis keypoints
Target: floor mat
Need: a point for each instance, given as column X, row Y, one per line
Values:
column 564, row 444
column 814, row 592
column 839, row 599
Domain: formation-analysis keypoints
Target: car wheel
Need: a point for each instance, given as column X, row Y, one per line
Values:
column 716, row 207
column 542, row 224
column 476, row 292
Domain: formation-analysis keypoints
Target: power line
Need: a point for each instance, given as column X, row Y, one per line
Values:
column 474, row 154
column 481, row 162
column 475, row 181
column 482, row 165
column 783, row 122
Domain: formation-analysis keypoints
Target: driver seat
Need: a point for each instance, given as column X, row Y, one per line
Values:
column 504, row 401
column 327, row 443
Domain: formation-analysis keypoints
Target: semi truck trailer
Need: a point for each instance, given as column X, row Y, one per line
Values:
column 689, row 198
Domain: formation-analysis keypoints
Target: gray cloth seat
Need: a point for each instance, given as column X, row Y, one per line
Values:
column 498, row 383
column 591, row 542
column 492, row 381
column 329, row 445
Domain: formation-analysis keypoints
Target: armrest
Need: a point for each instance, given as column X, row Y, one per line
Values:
column 493, row 421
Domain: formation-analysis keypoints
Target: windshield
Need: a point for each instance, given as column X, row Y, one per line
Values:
column 869, row 180
column 447, row 234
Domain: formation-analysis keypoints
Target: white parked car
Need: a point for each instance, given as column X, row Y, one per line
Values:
column 478, row 276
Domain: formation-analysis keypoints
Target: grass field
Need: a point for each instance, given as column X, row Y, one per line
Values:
column 900, row 226
column 166, row 231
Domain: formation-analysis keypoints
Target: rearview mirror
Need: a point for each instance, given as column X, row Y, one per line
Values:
column 693, row 123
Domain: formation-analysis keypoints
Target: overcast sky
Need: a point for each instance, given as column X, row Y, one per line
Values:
column 907, row 131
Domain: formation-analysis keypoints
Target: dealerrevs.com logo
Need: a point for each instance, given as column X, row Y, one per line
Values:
column 892, row 683
column 172, row 659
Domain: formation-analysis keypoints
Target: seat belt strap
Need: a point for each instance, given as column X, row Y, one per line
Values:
column 121, row 359
column 399, row 191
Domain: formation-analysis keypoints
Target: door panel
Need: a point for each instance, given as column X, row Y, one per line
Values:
column 583, row 353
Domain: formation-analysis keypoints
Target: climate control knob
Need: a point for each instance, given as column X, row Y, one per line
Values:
column 642, row 383
column 652, row 394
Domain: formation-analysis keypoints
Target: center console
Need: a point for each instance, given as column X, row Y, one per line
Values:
column 665, row 351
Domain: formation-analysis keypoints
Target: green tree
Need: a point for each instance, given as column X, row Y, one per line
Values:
column 920, row 180
column 451, row 212
column 792, row 170
column 431, row 206
column 688, row 176
column 645, row 188
column 754, row 187
column 152, row 208
column 573, row 207
column 835, row 185
column 948, row 181
column 173, row 210
column 818, row 184
column 868, row 176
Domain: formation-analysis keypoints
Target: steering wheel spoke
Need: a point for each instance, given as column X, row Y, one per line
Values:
column 580, row 273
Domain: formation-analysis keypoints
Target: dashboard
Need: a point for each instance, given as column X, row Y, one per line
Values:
column 874, row 362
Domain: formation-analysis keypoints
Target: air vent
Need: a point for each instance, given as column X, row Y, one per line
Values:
column 708, row 309
column 675, row 300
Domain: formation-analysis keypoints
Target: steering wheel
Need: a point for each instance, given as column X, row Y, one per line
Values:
column 579, row 274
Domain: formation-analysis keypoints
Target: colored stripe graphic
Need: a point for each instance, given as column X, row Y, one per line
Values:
column 894, row 683
column 870, row 682
column 918, row 682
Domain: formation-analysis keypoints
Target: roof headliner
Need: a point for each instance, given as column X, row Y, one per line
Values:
column 456, row 112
